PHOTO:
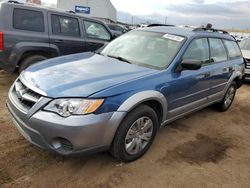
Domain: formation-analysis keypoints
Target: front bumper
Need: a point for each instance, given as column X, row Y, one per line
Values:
column 66, row 136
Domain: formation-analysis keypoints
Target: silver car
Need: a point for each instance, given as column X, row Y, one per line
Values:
column 245, row 48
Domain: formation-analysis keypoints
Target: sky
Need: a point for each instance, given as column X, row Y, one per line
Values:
column 222, row 13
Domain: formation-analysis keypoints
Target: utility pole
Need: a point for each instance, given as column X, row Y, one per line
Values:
column 132, row 20
column 166, row 20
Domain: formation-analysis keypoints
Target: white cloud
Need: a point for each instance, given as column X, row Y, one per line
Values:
column 232, row 13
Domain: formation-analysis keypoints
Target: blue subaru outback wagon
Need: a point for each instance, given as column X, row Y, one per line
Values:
column 117, row 98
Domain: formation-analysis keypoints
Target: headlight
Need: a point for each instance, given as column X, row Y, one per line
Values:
column 68, row 107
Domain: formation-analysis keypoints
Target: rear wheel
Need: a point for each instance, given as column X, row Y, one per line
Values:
column 228, row 99
column 30, row 61
column 135, row 135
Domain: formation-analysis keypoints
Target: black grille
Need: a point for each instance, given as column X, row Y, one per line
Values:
column 24, row 96
column 248, row 63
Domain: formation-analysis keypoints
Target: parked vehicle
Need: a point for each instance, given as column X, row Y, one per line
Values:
column 29, row 34
column 117, row 98
column 245, row 48
column 117, row 29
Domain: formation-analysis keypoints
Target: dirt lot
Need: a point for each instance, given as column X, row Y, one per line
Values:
column 205, row 149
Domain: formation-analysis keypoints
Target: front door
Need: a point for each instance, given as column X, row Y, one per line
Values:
column 190, row 88
column 96, row 35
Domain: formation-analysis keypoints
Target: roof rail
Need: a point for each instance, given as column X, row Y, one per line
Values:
column 157, row 25
column 210, row 29
column 71, row 11
column 15, row 2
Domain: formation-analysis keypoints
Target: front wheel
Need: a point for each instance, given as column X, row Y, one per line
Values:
column 135, row 135
column 228, row 99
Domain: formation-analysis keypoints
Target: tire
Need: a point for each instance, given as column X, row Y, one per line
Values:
column 125, row 146
column 30, row 61
column 228, row 99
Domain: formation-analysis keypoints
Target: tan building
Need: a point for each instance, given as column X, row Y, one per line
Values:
column 38, row 2
column 100, row 9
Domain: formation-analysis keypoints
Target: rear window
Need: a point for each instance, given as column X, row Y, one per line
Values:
column 233, row 49
column 63, row 25
column 28, row 20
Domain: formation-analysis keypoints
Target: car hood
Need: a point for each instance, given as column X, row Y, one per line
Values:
column 246, row 54
column 81, row 75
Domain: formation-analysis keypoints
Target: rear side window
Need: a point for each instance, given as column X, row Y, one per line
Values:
column 118, row 28
column 62, row 25
column 198, row 50
column 233, row 49
column 218, row 51
column 96, row 31
column 112, row 27
column 28, row 20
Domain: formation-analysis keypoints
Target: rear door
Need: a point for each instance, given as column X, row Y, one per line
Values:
column 96, row 35
column 223, row 56
column 65, row 34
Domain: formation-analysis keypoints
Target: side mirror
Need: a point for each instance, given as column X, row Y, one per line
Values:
column 114, row 35
column 191, row 64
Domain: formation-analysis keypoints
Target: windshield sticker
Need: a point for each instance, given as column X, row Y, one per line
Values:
column 173, row 37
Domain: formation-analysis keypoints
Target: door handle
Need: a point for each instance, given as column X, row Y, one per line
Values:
column 58, row 41
column 94, row 44
column 205, row 75
column 228, row 69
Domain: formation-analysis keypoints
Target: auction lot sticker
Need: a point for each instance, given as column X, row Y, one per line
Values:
column 173, row 37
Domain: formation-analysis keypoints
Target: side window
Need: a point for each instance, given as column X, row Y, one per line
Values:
column 233, row 49
column 62, row 25
column 198, row 50
column 96, row 31
column 118, row 28
column 218, row 51
column 111, row 27
column 28, row 20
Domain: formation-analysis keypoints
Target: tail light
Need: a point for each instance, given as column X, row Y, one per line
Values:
column 1, row 41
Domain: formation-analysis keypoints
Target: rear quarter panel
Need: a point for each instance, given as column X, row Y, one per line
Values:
column 16, row 41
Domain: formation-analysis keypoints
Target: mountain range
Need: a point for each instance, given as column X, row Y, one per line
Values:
column 139, row 19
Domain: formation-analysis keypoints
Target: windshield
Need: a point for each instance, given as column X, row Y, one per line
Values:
column 245, row 44
column 154, row 50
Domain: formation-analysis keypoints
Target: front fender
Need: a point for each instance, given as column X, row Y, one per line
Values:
column 144, row 96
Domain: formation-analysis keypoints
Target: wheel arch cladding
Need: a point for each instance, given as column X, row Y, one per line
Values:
column 152, row 98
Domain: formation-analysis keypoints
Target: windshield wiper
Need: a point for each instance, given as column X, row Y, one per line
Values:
column 120, row 58
column 99, row 53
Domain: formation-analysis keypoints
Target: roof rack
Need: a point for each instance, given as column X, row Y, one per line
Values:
column 210, row 29
column 157, row 25
column 15, row 2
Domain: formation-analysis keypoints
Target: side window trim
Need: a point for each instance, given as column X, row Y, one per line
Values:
column 228, row 58
column 196, row 38
column 211, row 63
column 25, row 9
column 50, row 14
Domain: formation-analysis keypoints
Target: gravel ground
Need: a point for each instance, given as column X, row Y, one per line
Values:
column 205, row 149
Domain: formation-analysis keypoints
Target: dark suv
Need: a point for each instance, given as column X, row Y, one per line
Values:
column 29, row 34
